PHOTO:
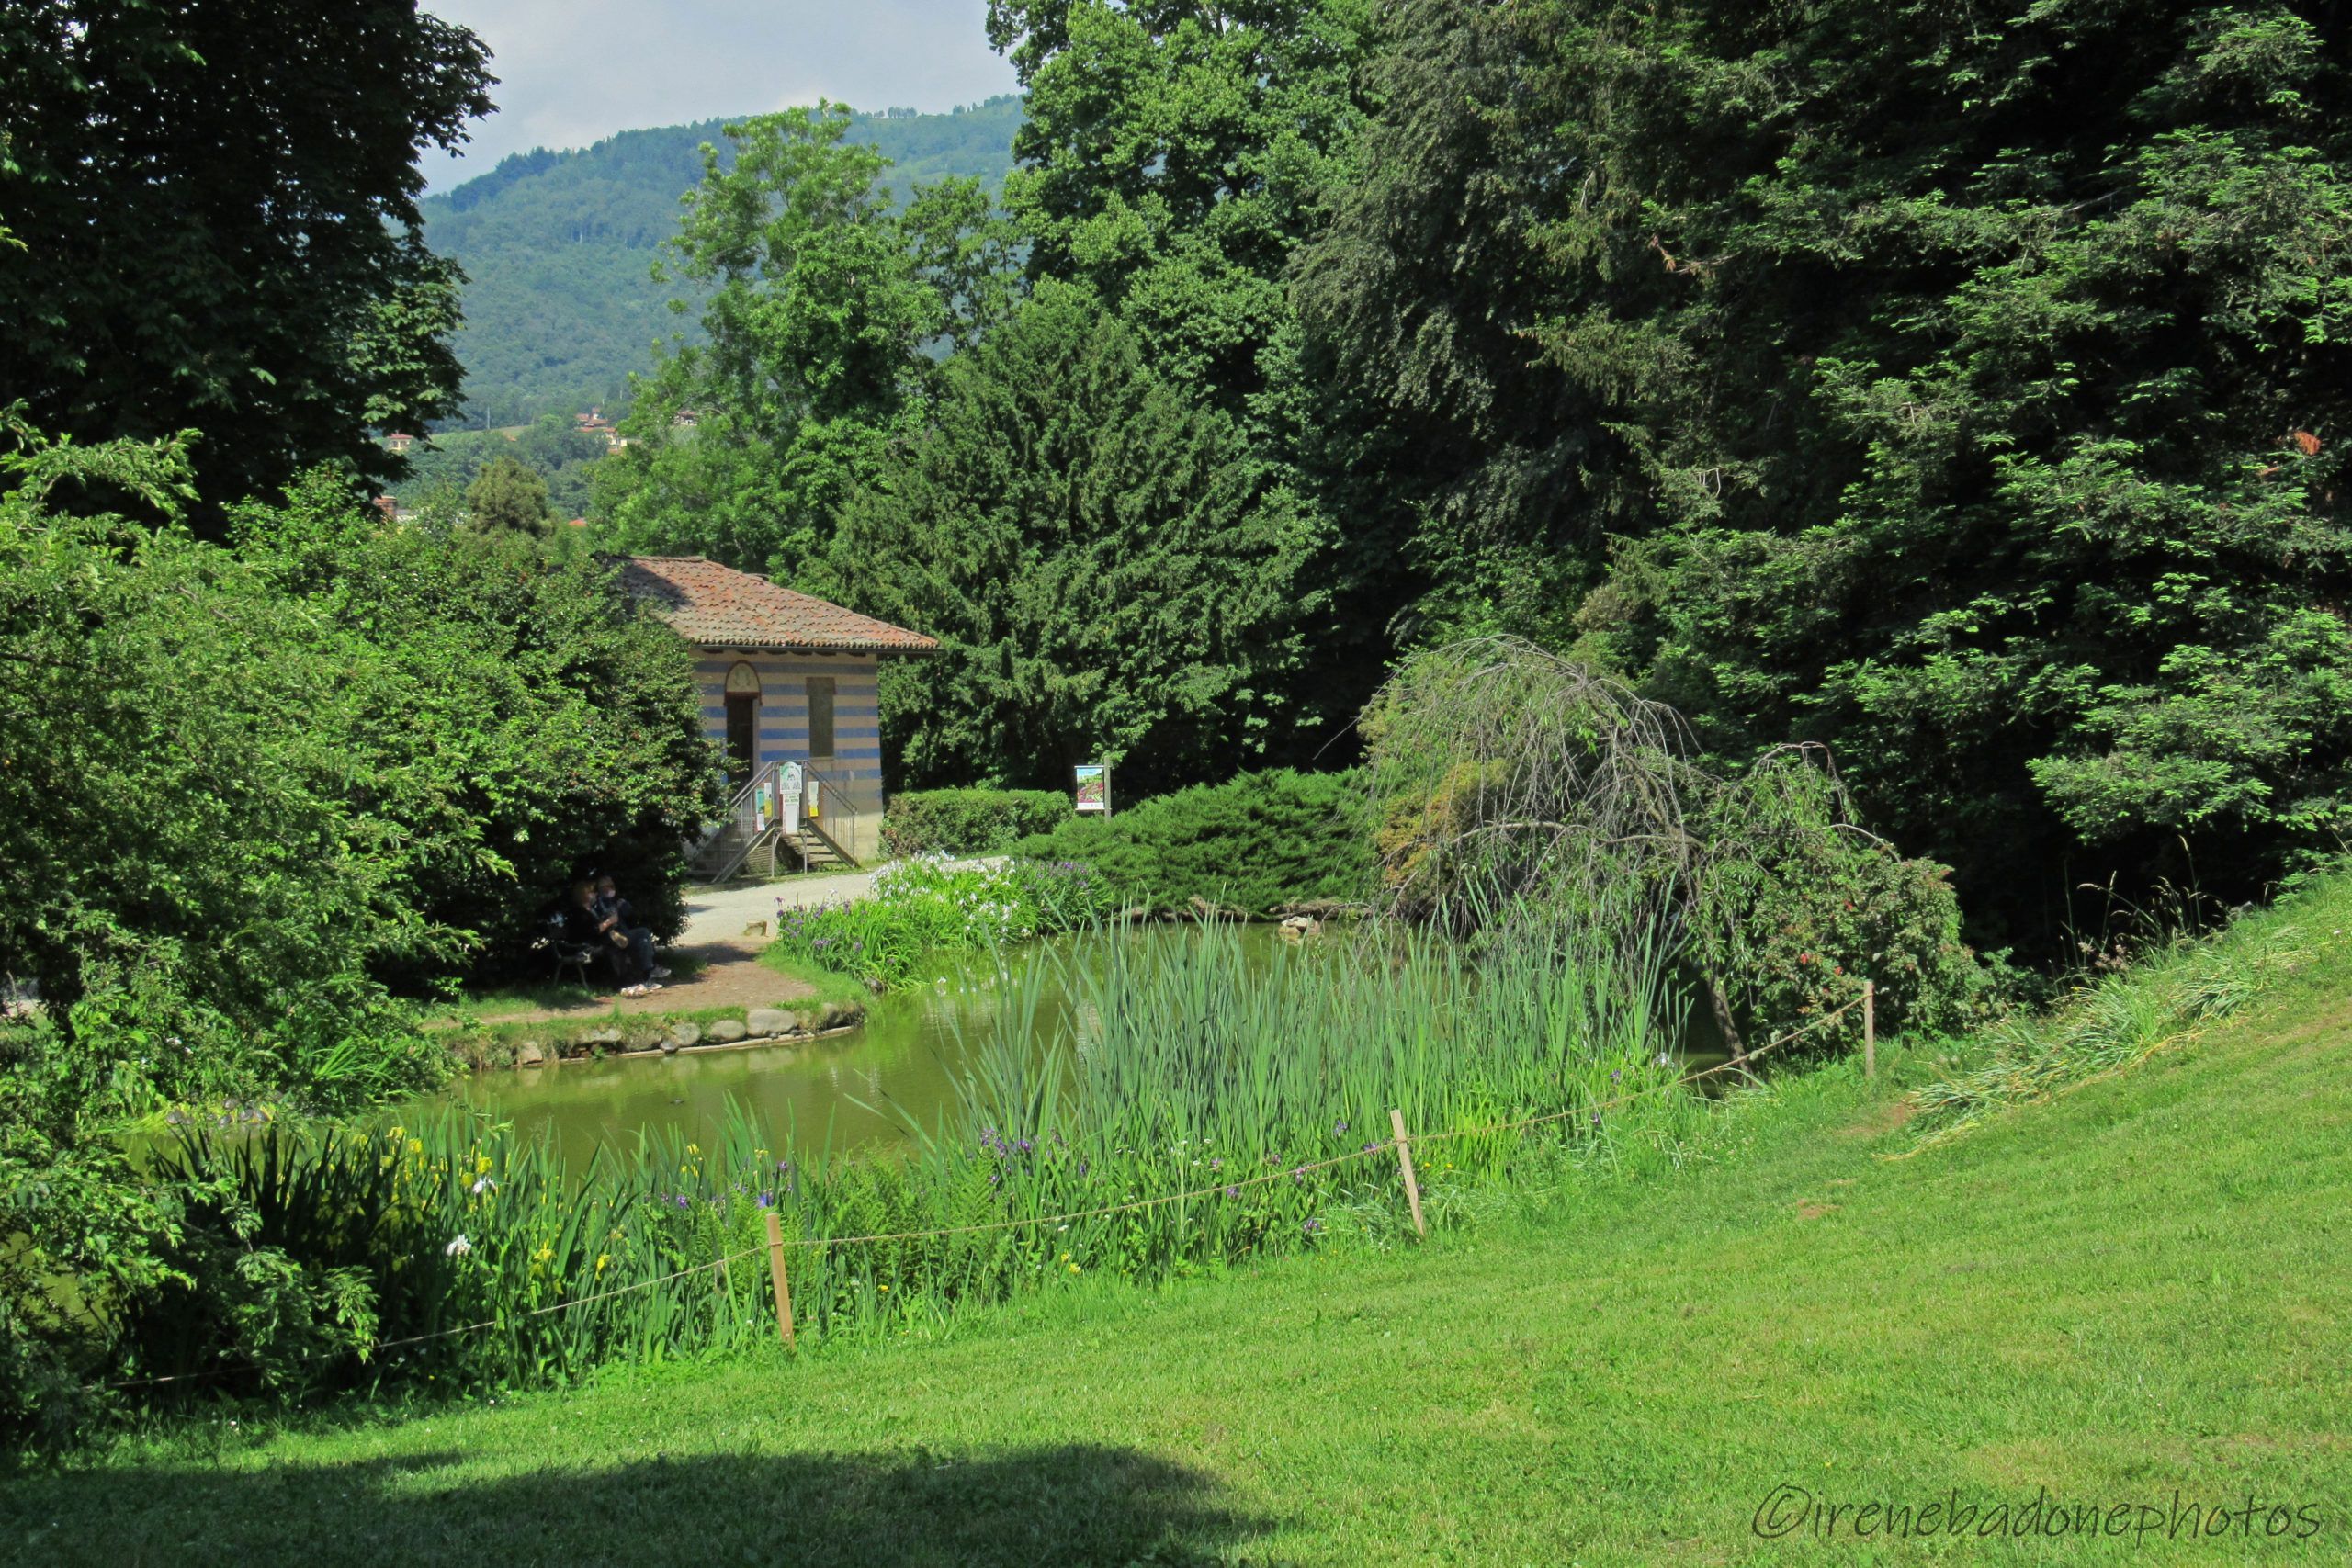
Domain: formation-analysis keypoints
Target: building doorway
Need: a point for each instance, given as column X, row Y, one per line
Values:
column 742, row 723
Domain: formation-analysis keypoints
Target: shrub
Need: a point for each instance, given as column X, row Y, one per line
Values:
column 1512, row 783
column 1822, row 912
column 1255, row 843
column 968, row 821
column 925, row 907
column 246, row 797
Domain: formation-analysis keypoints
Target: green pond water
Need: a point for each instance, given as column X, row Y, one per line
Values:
column 859, row 1090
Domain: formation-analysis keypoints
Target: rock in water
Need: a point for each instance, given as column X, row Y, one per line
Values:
column 728, row 1029
column 531, row 1053
column 838, row 1015
column 768, row 1020
column 683, row 1033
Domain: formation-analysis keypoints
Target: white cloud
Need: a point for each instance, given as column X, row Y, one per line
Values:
column 573, row 70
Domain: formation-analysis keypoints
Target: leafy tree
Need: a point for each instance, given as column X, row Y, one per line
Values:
column 217, row 208
column 1966, row 391
column 819, row 301
column 1110, row 575
column 560, row 298
column 509, row 497
column 242, row 791
column 1174, row 158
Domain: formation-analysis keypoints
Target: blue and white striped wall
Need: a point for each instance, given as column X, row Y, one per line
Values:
column 783, row 717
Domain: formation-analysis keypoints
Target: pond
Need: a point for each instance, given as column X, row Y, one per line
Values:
column 858, row 1091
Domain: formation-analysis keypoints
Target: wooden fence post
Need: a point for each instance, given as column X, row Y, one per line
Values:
column 1870, row 1029
column 775, row 1272
column 1405, row 1162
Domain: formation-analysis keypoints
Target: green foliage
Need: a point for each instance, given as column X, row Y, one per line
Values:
column 923, row 910
column 1174, row 160
column 555, row 448
column 968, row 821
column 1203, row 1070
column 242, row 779
column 1969, row 397
column 243, row 795
column 1818, row 907
column 508, row 498
column 529, row 721
column 1512, row 787
column 1258, row 842
column 215, row 204
column 1110, row 574
column 560, row 299
column 190, row 876
column 817, row 301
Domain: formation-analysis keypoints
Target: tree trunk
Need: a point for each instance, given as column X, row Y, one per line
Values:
column 1729, row 1029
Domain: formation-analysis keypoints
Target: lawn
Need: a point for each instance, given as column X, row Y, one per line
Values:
column 2134, row 1297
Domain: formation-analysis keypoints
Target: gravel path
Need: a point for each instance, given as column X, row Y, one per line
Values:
column 719, row 914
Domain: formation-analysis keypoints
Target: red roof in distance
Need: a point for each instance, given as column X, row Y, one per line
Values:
column 716, row 606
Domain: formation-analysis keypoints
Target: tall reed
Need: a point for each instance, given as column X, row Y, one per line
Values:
column 1258, row 1091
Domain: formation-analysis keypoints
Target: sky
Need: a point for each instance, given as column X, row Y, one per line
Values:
column 572, row 71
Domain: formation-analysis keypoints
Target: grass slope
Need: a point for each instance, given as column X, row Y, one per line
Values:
column 2136, row 1290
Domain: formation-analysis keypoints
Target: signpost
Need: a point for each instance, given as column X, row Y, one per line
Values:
column 1094, row 787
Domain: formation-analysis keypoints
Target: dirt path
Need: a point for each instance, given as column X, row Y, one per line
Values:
column 732, row 976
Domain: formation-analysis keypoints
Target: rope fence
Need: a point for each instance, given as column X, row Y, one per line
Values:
column 1400, row 1145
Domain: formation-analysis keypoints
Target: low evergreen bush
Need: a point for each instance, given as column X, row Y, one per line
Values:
column 968, row 821
column 1258, row 842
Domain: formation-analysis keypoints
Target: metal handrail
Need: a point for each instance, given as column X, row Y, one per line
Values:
column 829, row 800
column 742, row 811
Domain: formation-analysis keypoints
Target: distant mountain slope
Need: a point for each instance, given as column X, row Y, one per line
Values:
column 559, row 247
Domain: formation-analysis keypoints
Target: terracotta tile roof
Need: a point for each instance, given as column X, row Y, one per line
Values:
column 716, row 606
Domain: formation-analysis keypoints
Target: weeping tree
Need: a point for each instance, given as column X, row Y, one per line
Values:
column 1512, row 785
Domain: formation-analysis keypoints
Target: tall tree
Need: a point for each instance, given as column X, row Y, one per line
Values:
column 217, row 203
column 1174, row 157
column 820, row 300
column 1109, row 572
column 1968, row 389
column 509, row 497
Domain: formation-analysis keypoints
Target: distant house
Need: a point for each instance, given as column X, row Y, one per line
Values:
column 788, row 682
column 594, row 422
column 399, row 441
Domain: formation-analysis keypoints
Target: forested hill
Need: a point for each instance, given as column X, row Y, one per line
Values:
column 559, row 247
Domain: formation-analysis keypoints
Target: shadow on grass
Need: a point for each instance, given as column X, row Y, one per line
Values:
column 1023, row 1506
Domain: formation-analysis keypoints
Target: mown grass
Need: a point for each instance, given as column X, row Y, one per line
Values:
column 2132, row 1295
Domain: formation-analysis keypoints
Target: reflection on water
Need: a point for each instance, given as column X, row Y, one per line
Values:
column 858, row 1089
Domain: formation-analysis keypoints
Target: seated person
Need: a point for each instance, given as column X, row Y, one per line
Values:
column 584, row 922
column 614, row 910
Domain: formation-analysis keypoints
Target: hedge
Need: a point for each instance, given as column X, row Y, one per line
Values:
column 968, row 821
column 1257, row 843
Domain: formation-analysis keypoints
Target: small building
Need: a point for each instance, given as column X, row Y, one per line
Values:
column 788, row 682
